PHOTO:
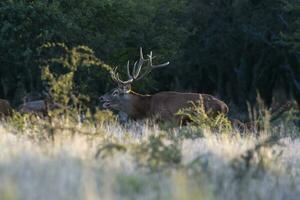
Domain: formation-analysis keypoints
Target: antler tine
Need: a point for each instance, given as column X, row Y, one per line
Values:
column 138, row 65
column 151, row 66
column 160, row 65
column 134, row 72
column 116, row 78
column 156, row 66
column 113, row 74
column 141, row 53
column 150, row 58
column 128, row 71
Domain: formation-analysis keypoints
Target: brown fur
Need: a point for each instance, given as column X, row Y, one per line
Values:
column 164, row 105
column 5, row 108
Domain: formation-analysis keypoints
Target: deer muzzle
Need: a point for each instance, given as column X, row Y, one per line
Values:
column 105, row 102
column 106, row 105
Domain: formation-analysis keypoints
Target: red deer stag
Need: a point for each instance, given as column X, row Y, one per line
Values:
column 162, row 105
column 5, row 108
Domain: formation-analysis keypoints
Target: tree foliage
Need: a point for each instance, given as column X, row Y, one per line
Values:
column 230, row 48
column 74, row 75
column 234, row 49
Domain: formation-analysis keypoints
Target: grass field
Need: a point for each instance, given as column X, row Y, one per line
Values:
column 102, row 159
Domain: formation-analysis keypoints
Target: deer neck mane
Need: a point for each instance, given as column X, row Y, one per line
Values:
column 139, row 105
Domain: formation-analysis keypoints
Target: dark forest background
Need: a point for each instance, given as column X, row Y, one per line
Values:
column 233, row 49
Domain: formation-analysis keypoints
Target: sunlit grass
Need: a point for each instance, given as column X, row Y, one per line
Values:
column 98, row 158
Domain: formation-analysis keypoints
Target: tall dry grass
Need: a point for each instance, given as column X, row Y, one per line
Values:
column 98, row 158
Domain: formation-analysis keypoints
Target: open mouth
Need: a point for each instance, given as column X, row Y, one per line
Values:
column 106, row 104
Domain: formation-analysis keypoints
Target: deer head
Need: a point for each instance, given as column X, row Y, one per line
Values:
column 120, row 97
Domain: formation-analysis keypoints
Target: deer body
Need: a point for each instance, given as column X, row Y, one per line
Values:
column 5, row 108
column 38, row 104
column 39, row 107
column 166, row 104
column 162, row 105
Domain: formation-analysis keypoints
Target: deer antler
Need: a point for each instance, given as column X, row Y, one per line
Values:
column 115, row 77
column 137, row 67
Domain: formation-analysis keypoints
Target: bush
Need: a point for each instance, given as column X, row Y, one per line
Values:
column 81, row 68
column 197, row 116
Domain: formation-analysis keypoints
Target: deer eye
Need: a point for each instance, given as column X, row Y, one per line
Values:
column 115, row 93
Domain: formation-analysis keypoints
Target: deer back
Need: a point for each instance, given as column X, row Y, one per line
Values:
column 167, row 104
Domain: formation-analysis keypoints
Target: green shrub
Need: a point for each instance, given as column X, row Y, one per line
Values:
column 159, row 153
column 197, row 116
column 81, row 67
